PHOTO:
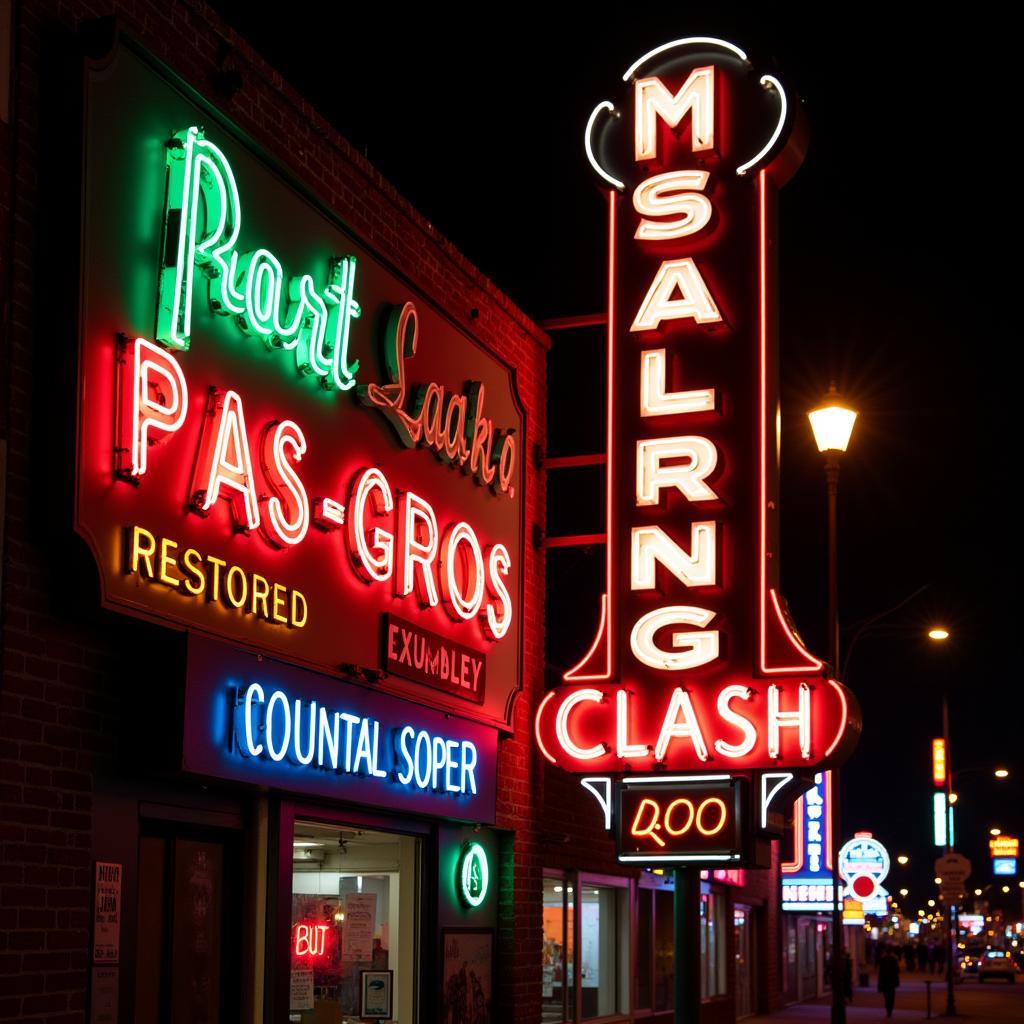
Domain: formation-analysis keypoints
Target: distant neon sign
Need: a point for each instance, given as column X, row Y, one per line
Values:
column 807, row 879
column 939, row 762
column 692, row 566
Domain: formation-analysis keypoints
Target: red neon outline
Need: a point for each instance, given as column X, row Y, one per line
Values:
column 606, row 627
column 811, row 663
column 842, row 726
column 794, row 867
column 536, row 726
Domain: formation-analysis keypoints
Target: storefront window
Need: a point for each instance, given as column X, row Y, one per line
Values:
column 353, row 924
column 712, row 945
column 644, row 935
column 664, row 951
column 741, row 926
column 602, row 943
column 558, row 992
column 601, row 913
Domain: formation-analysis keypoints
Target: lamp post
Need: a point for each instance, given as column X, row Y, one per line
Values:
column 832, row 424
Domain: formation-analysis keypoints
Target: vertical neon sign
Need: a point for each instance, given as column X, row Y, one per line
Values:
column 695, row 659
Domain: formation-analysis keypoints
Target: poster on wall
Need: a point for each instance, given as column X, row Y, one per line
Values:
column 358, row 927
column 281, row 442
column 466, row 975
column 106, row 922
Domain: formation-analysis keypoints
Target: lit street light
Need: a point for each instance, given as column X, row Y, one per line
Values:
column 832, row 424
column 902, row 859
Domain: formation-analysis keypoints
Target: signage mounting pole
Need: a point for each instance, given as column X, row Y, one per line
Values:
column 951, row 909
column 686, row 939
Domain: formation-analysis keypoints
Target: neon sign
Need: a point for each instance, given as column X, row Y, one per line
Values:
column 221, row 495
column 863, row 864
column 807, row 879
column 689, row 818
column 939, row 762
column 266, row 723
column 311, row 939
column 695, row 664
column 473, row 874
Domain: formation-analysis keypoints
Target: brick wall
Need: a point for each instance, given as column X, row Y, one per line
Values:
column 65, row 661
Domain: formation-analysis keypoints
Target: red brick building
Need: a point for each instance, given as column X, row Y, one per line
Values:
column 149, row 871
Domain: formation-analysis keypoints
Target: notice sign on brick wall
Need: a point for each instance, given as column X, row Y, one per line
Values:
column 106, row 918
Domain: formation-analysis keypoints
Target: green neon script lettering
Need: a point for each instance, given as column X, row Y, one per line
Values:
column 202, row 224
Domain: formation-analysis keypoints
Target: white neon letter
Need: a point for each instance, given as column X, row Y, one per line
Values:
column 650, row 544
column 159, row 400
column 746, row 745
column 226, row 462
column 675, row 728
column 694, row 302
column 691, row 649
column 255, row 691
column 652, row 100
column 455, row 601
column 373, row 560
column 562, row 725
column 687, row 477
column 414, row 551
column 623, row 747
column 499, row 562
column 799, row 720
column 277, row 527
column 672, row 193
column 656, row 401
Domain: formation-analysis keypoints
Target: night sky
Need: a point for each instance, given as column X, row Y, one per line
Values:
column 899, row 253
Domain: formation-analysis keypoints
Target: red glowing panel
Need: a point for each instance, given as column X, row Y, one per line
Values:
column 695, row 663
column 281, row 442
column 939, row 762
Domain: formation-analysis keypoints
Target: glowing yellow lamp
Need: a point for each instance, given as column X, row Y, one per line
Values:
column 832, row 422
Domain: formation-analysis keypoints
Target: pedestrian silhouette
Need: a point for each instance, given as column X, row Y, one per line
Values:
column 888, row 980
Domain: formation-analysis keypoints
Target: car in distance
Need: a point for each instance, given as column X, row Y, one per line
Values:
column 997, row 963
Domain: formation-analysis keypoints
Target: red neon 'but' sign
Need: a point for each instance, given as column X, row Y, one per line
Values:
column 695, row 660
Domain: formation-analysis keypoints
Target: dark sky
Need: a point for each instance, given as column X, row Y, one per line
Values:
column 899, row 256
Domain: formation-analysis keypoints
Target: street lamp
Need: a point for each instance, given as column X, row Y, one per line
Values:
column 832, row 424
column 902, row 859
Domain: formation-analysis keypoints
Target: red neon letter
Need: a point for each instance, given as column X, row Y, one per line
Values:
column 417, row 547
column 287, row 518
column 158, row 401
column 224, row 461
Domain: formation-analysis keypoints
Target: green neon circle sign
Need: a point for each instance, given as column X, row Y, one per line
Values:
column 473, row 874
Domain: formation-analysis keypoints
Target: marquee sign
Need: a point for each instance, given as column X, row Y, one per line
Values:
column 698, row 819
column 281, row 442
column 695, row 663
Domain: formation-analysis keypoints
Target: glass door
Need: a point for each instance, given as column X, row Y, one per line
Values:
column 354, row 937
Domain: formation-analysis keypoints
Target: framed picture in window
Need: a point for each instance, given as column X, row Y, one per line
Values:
column 467, row 971
column 375, row 988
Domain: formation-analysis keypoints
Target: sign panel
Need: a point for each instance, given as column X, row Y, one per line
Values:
column 695, row 661
column 270, row 724
column 939, row 762
column 807, row 881
column 954, row 869
column 690, row 819
column 1004, row 865
column 280, row 441
column 1004, row 846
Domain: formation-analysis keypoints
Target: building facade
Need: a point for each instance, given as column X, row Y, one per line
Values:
column 273, row 584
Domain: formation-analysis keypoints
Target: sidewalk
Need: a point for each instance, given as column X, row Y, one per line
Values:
column 990, row 1003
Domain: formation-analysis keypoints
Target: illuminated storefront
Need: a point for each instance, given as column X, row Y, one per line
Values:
column 287, row 636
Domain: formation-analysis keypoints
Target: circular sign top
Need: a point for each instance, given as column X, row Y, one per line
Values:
column 473, row 874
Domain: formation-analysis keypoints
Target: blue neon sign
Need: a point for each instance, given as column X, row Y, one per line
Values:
column 271, row 724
